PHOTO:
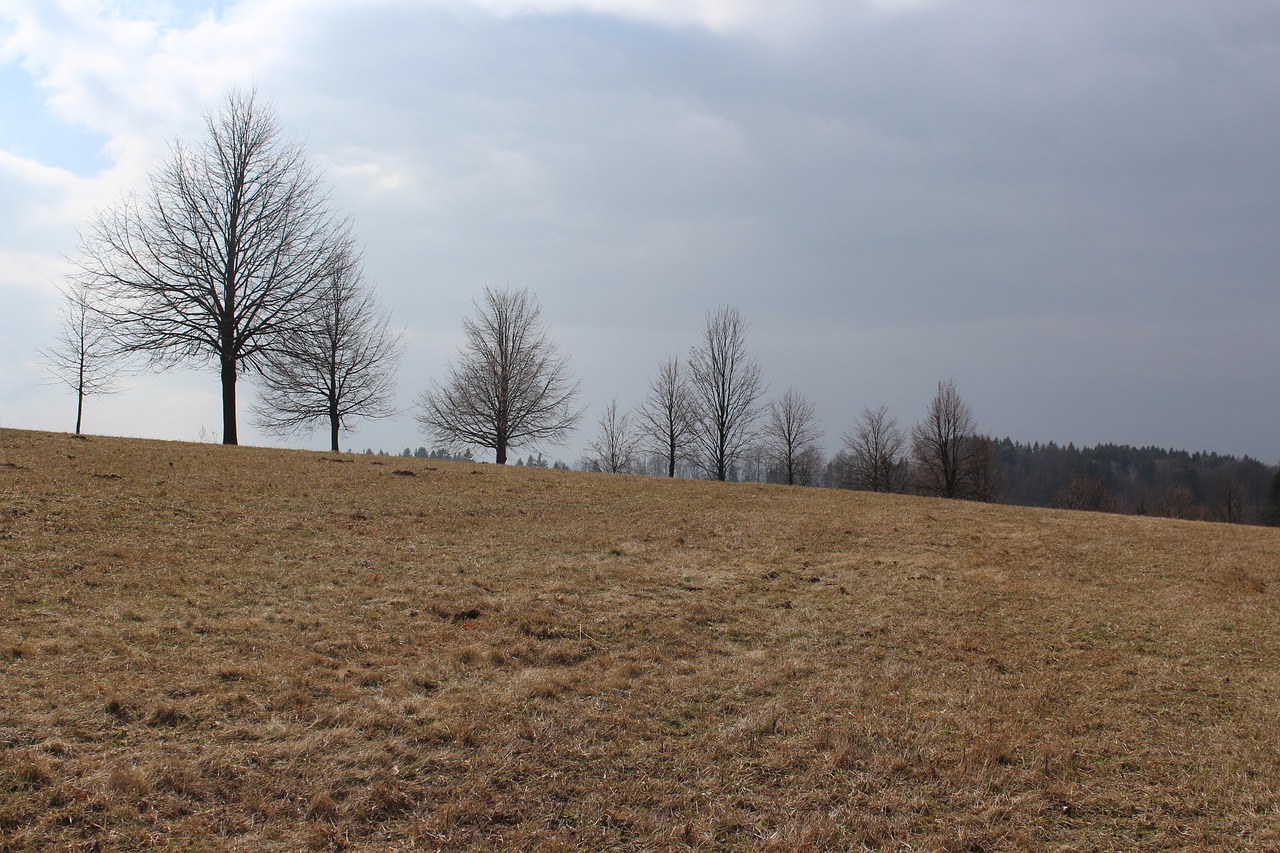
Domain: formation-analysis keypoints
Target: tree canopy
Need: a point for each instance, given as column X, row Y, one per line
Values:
column 510, row 386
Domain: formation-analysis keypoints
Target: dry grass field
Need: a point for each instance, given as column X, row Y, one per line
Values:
column 247, row 649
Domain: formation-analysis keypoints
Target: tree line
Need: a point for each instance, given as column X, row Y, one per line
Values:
column 1141, row 481
column 232, row 257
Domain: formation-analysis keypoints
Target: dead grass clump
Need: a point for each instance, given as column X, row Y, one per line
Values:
column 540, row 684
column 56, row 746
column 231, row 673
column 325, row 836
column 175, row 775
column 468, row 656
column 128, row 780
column 167, row 715
column 13, row 814
column 117, row 708
column 382, row 800
column 426, row 683
column 27, row 773
column 542, row 624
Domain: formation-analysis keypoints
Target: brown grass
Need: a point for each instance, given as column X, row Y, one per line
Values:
column 248, row 649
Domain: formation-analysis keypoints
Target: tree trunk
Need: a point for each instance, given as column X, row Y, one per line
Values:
column 334, row 423
column 229, row 401
column 501, row 455
column 80, row 385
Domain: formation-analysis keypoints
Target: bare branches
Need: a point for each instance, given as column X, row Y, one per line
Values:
column 1089, row 493
column 665, row 418
column 725, row 386
column 510, row 385
column 338, row 365
column 874, row 455
column 80, row 356
column 614, row 448
column 949, row 459
column 791, row 438
column 226, row 250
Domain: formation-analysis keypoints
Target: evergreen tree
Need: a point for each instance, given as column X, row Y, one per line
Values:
column 1271, row 509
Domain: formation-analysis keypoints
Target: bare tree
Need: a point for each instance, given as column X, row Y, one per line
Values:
column 226, row 250
column 874, row 456
column 725, row 386
column 80, row 356
column 950, row 459
column 614, row 448
column 1178, row 501
column 510, row 386
column 1231, row 506
column 1090, row 493
column 665, row 417
column 337, row 366
column 791, row 438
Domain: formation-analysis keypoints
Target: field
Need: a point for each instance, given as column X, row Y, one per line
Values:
column 249, row 649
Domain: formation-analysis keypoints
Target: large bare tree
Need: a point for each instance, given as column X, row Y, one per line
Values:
column 337, row 365
column 227, row 249
column 665, row 418
column 949, row 458
column 614, row 448
column 80, row 356
column 725, row 386
column 874, row 456
column 510, row 386
column 791, row 437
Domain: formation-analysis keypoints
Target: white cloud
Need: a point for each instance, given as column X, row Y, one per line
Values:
column 767, row 20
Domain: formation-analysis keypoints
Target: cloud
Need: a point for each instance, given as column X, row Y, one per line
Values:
column 764, row 20
column 893, row 192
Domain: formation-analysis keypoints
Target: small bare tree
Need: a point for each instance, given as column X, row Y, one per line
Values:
column 510, row 386
column 665, row 418
column 1231, row 506
column 725, row 385
column 791, row 438
column 337, row 366
column 950, row 459
column 80, row 356
column 614, row 448
column 227, row 249
column 1178, row 501
column 1090, row 493
column 874, row 456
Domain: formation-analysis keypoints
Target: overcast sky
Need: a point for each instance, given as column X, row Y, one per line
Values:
column 1071, row 207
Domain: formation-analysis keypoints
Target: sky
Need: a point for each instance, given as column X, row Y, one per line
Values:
column 1071, row 208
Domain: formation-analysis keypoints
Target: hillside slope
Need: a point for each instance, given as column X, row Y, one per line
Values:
column 252, row 649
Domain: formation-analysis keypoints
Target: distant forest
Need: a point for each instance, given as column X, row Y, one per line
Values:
column 1139, row 480
column 1106, row 478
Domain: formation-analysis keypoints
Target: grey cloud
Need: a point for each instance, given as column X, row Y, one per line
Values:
column 1069, row 207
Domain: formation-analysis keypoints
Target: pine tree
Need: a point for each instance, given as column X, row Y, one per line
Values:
column 1271, row 509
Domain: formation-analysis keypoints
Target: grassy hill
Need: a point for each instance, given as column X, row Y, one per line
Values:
column 250, row 649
